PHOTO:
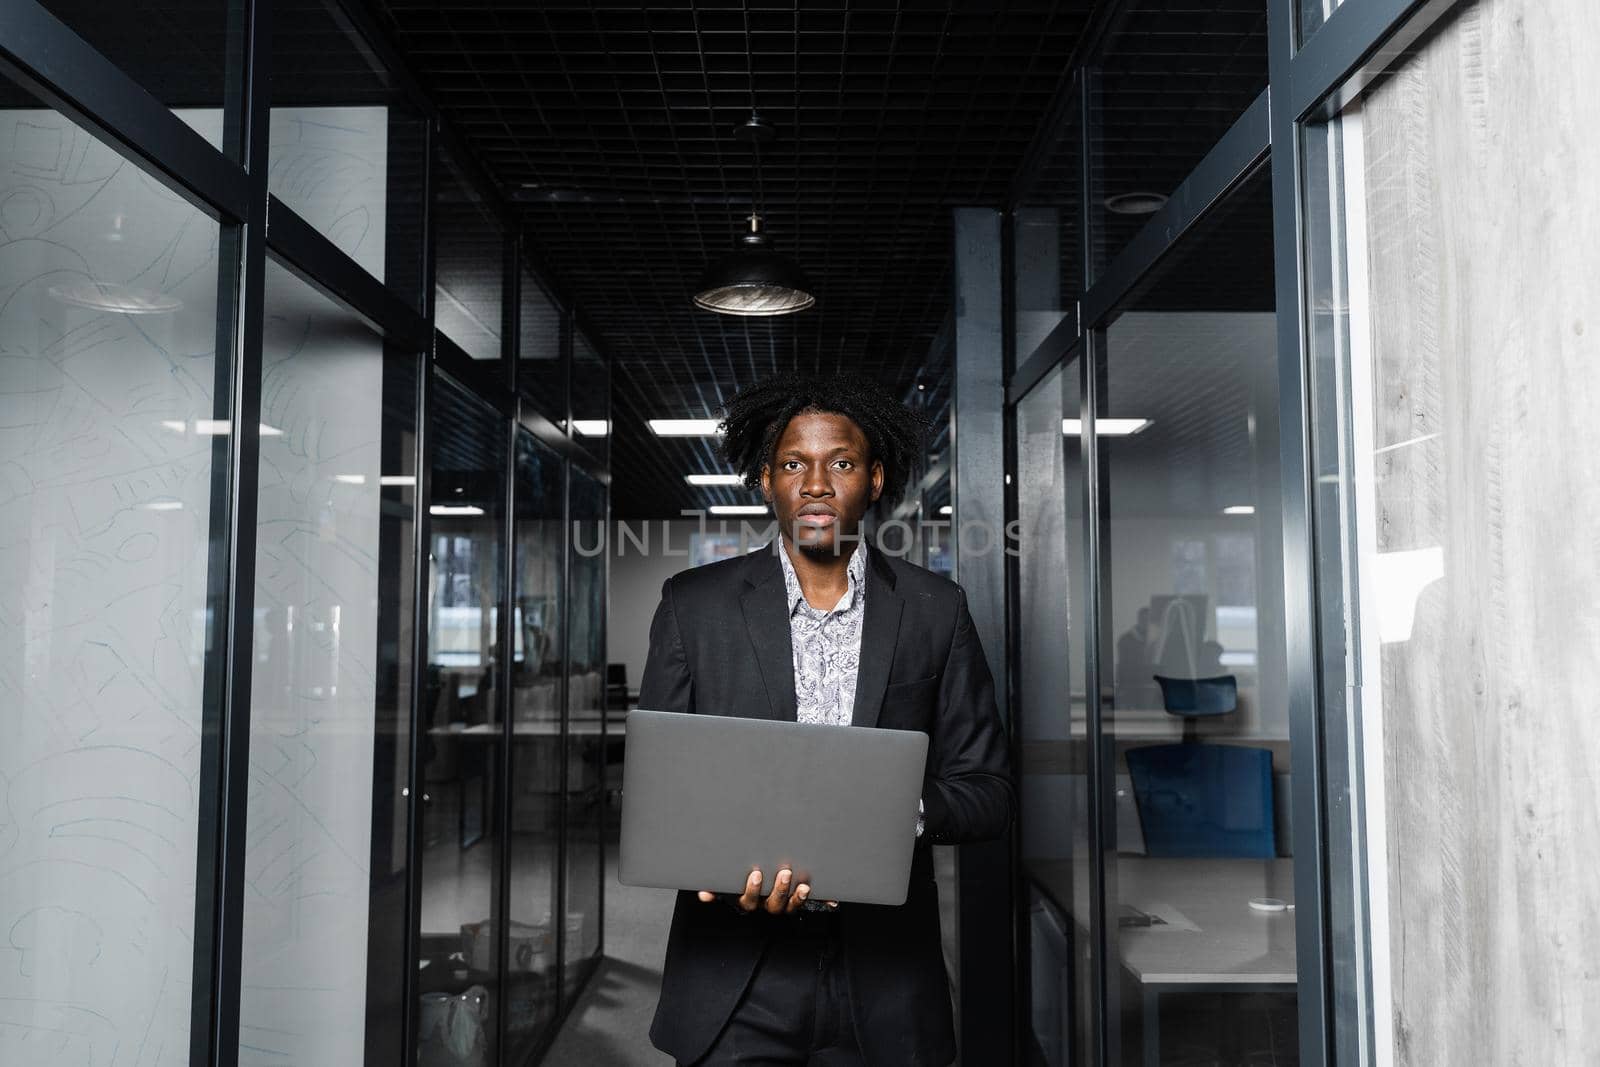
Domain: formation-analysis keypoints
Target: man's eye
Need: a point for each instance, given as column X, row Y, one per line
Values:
column 792, row 465
column 843, row 464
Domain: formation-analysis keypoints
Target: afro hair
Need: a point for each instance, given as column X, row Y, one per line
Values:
column 753, row 421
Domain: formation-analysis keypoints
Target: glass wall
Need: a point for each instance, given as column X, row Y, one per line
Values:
column 1170, row 81
column 538, row 687
column 1198, row 873
column 460, row 723
column 114, row 427
column 252, row 736
column 348, row 151
column 591, row 397
column 588, row 771
column 469, row 268
column 331, row 665
column 1046, row 239
column 1053, row 726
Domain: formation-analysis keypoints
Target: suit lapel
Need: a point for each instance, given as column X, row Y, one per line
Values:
column 880, row 629
column 766, row 618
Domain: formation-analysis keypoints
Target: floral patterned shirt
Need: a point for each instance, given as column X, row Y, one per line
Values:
column 827, row 645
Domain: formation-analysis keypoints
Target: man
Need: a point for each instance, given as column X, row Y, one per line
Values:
column 818, row 627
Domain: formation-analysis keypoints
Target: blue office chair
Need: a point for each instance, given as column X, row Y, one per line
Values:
column 1204, row 800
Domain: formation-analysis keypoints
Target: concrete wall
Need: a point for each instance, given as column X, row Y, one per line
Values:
column 1483, row 249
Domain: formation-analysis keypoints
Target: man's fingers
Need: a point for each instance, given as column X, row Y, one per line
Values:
column 706, row 896
column 798, row 897
column 778, row 901
column 749, row 900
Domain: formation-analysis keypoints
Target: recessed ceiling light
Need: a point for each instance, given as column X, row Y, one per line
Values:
column 455, row 509
column 713, row 479
column 684, row 427
column 1239, row 509
column 351, row 479
column 944, row 509
column 221, row 428
column 1105, row 427
column 1135, row 203
column 591, row 427
column 738, row 509
column 164, row 505
column 398, row 479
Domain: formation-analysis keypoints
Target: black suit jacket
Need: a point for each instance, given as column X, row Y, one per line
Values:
column 720, row 644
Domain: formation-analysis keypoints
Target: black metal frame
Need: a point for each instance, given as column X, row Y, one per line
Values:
column 1309, row 81
column 43, row 55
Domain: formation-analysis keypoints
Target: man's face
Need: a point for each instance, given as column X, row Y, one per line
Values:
column 821, row 481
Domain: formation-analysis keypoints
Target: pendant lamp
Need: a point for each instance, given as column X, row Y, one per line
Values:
column 754, row 279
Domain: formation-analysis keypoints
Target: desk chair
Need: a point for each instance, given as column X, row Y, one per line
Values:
column 1198, row 799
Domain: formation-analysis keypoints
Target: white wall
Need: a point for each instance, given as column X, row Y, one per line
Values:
column 636, row 583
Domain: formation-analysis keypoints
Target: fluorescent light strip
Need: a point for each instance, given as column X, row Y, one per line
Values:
column 397, row 479
column 1106, row 427
column 713, row 479
column 738, row 509
column 684, row 427
column 591, row 427
column 164, row 505
column 455, row 509
column 351, row 479
column 1239, row 509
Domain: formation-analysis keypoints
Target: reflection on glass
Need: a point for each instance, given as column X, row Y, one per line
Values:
column 591, row 398
column 1197, row 713
column 1313, row 13
column 588, row 767
column 109, row 408
column 537, row 691
column 469, row 267
column 462, row 718
column 1052, row 712
column 343, row 155
column 1046, row 246
column 186, row 53
column 1172, row 81
column 327, row 726
column 541, row 368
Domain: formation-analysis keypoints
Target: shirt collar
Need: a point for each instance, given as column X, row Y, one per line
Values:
column 855, row 573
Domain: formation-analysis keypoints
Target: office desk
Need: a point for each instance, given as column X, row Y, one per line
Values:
column 1212, row 940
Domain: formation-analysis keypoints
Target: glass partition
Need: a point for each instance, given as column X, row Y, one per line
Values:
column 330, row 685
column 538, row 690
column 1171, row 81
column 589, row 769
column 469, row 267
column 1199, row 874
column 1313, row 13
column 114, row 433
column 1052, row 724
column 188, row 54
column 462, row 726
column 591, row 397
column 1046, row 241
column 347, row 153
column 541, row 362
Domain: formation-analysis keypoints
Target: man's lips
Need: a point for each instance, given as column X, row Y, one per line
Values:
column 817, row 518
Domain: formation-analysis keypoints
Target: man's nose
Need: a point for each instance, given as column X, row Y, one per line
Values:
column 816, row 483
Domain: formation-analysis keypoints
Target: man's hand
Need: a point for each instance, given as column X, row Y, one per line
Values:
column 786, row 896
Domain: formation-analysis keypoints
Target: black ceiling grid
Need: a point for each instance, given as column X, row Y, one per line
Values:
column 610, row 128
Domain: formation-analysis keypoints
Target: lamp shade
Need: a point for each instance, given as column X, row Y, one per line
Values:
column 754, row 279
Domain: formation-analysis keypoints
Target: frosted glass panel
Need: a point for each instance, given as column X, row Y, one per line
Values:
column 322, row 681
column 108, row 436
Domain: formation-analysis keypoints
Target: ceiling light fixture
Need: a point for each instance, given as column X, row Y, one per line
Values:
column 1136, row 203
column 591, row 427
column 1106, row 427
column 755, row 279
column 684, row 427
column 738, row 509
column 455, row 509
column 1239, row 509
column 713, row 479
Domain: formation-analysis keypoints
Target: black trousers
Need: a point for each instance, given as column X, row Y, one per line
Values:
column 796, row 1010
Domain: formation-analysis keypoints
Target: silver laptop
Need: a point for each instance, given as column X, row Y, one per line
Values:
column 707, row 797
